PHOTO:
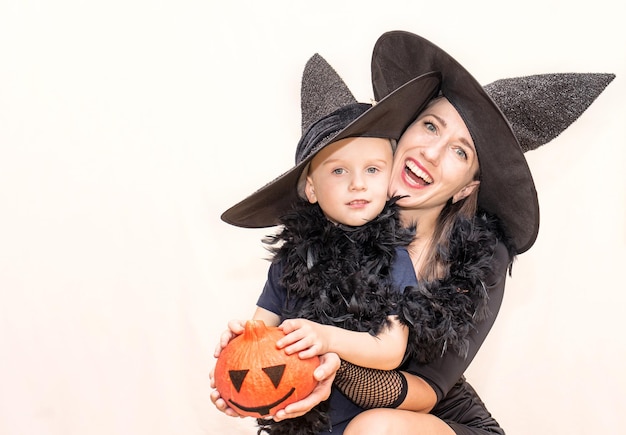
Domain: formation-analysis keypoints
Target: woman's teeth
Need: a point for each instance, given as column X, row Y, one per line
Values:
column 415, row 170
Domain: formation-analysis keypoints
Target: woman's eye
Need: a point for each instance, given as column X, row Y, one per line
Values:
column 430, row 126
column 461, row 153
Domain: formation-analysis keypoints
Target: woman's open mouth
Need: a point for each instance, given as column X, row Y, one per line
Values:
column 416, row 174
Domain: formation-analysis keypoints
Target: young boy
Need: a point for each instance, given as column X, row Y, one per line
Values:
column 338, row 260
column 346, row 187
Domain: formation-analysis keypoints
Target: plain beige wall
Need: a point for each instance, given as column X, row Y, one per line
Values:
column 127, row 127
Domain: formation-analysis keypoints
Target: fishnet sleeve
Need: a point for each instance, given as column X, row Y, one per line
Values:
column 371, row 388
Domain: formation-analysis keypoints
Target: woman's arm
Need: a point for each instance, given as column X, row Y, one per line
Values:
column 370, row 388
column 420, row 395
column 384, row 351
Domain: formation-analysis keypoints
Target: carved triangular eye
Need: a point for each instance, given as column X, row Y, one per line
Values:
column 275, row 373
column 237, row 377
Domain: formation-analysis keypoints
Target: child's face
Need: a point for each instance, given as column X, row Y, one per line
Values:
column 350, row 178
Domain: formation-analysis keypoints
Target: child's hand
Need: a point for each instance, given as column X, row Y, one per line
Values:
column 235, row 327
column 303, row 336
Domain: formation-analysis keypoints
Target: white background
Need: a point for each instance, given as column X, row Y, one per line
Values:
column 128, row 126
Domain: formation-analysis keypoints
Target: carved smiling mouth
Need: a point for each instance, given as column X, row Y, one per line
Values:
column 264, row 409
column 416, row 174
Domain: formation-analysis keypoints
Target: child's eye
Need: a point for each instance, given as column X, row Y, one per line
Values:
column 372, row 170
column 339, row 171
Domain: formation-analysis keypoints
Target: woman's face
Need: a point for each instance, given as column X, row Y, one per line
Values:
column 435, row 160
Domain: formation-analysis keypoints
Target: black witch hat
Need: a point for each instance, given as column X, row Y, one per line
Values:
column 505, row 118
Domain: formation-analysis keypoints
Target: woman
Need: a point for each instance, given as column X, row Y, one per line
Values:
column 466, row 185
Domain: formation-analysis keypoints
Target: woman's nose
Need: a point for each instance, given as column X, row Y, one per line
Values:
column 432, row 151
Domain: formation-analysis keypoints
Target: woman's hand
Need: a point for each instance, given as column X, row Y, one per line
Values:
column 217, row 400
column 303, row 336
column 235, row 328
column 325, row 375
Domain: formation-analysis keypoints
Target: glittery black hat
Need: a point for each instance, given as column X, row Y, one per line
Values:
column 505, row 118
column 331, row 113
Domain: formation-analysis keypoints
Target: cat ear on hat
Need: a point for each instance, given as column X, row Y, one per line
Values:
column 323, row 91
column 540, row 107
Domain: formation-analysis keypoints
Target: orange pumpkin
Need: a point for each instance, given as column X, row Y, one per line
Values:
column 256, row 378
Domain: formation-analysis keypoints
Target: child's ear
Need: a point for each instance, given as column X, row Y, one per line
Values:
column 309, row 191
column 465, row 191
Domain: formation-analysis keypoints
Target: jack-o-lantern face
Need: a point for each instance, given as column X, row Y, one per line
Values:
column 256, row 378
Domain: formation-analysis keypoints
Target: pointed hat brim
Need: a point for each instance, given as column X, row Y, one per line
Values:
column 386, row 119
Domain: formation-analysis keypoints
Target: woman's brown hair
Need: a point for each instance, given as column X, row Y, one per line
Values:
column 435, row 267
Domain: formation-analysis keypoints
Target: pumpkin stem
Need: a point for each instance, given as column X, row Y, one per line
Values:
column 254, row 330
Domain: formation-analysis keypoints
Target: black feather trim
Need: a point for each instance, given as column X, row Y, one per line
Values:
column 441, row 314
column 335, row 275
column 339, row 275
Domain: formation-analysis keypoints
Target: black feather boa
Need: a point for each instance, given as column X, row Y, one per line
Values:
column 335, row 275
column 440, row 314
column 339, row 275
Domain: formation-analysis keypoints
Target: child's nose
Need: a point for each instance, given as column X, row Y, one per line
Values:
column 358, row 183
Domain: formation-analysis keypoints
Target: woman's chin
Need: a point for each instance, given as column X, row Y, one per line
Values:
column 405, row 201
